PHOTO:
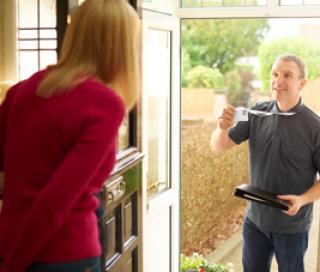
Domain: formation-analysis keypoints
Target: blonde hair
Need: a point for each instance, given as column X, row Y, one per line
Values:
column 101, row 40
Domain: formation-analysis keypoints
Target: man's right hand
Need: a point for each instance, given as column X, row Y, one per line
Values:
column 225, row 120
column 220, row 140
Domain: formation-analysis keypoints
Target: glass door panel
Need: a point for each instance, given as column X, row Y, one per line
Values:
column 124, row 136
column 157, row 100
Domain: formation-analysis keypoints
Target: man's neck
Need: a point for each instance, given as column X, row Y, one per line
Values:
column 286, row 106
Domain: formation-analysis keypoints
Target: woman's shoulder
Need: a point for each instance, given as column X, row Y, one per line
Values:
column 29, row 84
column 94, row 93
column 36, row 77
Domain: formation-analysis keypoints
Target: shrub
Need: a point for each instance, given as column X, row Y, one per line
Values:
column 197, row 261
column 205, row 77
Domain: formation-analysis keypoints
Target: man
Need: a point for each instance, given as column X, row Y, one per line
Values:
column 284, row 159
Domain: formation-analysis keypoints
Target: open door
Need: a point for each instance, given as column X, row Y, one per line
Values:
column 160, row 139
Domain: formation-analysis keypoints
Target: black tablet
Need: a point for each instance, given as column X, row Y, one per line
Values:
column 261, row 196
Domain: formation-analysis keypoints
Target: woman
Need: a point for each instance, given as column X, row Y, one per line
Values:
column 58, row 132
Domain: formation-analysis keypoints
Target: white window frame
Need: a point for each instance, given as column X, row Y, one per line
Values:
column 271, row 10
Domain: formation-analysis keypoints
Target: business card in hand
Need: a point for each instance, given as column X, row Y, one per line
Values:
column 240, row 114
column 261, row 196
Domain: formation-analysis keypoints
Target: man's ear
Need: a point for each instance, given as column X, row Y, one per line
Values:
column 303, row 83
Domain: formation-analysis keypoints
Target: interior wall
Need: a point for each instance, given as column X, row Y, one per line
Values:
column 2, row 41
column 8, row 41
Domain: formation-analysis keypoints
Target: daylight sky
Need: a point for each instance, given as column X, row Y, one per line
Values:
column 289, row 27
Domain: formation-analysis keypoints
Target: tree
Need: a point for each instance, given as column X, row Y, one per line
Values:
column 239, row 85
column 218, row 43
column 185, row 67
column 205, row 77
column 308, row 50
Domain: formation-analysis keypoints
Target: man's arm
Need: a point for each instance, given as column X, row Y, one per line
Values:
column 220, row 140
column 298, row 201
column 312, row 194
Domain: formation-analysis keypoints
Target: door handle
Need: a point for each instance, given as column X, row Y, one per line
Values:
column 156, row 186
column 115, row 189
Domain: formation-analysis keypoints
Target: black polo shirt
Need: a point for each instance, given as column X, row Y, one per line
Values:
column 284, row 159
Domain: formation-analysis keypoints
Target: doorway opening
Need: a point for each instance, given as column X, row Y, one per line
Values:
column 228, row 61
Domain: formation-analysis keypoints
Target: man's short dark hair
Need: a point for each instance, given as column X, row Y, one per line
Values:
column 300, row 63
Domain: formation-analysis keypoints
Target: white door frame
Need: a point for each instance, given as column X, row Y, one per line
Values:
column 172, row 8
column 164, row 20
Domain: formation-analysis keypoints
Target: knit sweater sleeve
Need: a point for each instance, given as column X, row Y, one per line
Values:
column 64, row 188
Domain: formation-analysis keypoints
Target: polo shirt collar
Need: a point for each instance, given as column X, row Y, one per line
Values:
column 297, row 108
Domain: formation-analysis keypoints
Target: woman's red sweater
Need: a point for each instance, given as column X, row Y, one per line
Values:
column 55, row 154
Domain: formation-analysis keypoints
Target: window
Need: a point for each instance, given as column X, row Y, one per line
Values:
column 299, row 2
column 37, row 46
column 222, row 3
column 37, row 35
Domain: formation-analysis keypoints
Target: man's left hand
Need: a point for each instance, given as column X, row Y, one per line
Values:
column 295, row 203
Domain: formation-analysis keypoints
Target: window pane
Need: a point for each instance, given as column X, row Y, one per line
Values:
column 28, row 45
column 48, row 44
column 311, row 2
column 256, row 2
column 259, row 2
column 47, row 13
column 37, row 42
column 191, row 3
column 299, row 2
column 47, row 57
column 221, row 3
column 234, row 3
column 48, row 33
column 28, row 34
column 211, row 3
column 124, row 135
column 157, row 101
column 28, row 15
column 28, row 63
column 290, row 2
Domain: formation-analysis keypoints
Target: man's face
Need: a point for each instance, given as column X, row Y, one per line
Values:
column 286, row 81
